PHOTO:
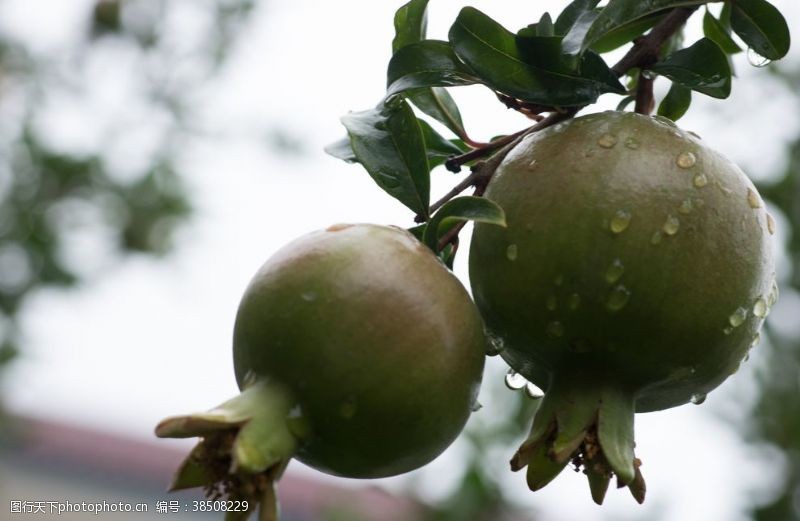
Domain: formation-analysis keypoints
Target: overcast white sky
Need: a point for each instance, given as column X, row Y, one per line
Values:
column 149, row 338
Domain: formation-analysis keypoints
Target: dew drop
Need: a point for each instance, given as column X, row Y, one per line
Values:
column 514, row 380
column 574, row 301
column 511, row 252
column 686, row 160
column 686, row 207
column 756, row 340
column 700, row 180
column 727, row 330
column 698, row 398
column 620, row 221
column 618, row 298
column 752, row 198
column 532, row 164
column 555, row 329
column 671, row 225
column 760, row 308
column 738, row 317
column 632, row 143
column 494, row 344
column 755, row 59
column 648, row 74
column 607, row 141
column 770, row 224
column 533, row 391
column 614, row 271
column 774, row 293
column 476, row 406
column 665, row 121
column 309, row 296
column 552, row 303
column 348, row 408
column 656, row 238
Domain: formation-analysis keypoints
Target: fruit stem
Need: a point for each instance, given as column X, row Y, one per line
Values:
column 245, row 446
column 589, row 424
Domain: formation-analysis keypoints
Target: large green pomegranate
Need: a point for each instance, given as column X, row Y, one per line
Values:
column 357, row 352
column 634, row 275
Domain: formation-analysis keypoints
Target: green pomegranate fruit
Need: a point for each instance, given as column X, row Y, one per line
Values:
column 634, row 275
column 357, row 352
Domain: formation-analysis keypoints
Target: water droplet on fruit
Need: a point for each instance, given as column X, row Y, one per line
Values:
column 348, row 408
column 309, row 296
column 618, row 298
column 511, row 252
column 533, row 391
column 760, row 308
column 494, row 344
column 755, row 59
column 700, row 180
column 574, row 301
column 514, row 380
column 727, row 330
column 665, row 121
column 722, row 188
column 555, row 329
column 615, row 271
column 338, row 227
column 686, row 207
column 607, row 141
column 632, row 143
column 656, row 238
column 250, row 378
column 620, row 221
column 770, row 224
column 753, row 199
column 648, row 74
column 698, row 398
column 476, row 406
column 738, row 317
column 552, row 303
column 671, row 225
column 532, row 164
column 774, row 293
column 686, row 160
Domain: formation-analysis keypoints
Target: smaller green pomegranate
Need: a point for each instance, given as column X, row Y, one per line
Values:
column 357, row 352
column 634, row 275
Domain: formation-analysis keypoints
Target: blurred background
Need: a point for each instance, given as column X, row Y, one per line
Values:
column 154, row 153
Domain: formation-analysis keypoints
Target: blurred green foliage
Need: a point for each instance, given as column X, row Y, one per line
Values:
column 50, row 192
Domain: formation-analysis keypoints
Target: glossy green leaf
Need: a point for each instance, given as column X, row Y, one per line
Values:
column 762, row 27
column 570, row 15
column 590, row 27
column 676, row 102
column 429, row 63
column 438, row 148
column 410, row 24
column 625, row 34
column 388, row 141
column 341, row 149
column 492, row 53
column 702, row 67
column 715, row 31
column 466, row 208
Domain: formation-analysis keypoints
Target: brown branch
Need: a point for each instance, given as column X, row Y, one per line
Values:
column 645, row 101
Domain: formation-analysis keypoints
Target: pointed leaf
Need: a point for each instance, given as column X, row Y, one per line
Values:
column 191, row 473
column 762, row 27
column 410, row 24
column 676, row 102
column 598, row 483
column 341, row 149
column 545, row 26
column 625, row 34
column 465, row 208
column 438, row 104
column 570, row 15
column 430, row 63
column 715, row 31
column 541, row 469
column 618, row 13
column 388, row 142
column 702, row 67
column 437, row 147
column 615, row 433
column 492, row 53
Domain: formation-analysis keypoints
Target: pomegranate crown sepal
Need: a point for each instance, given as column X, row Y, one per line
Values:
column 246, row 444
